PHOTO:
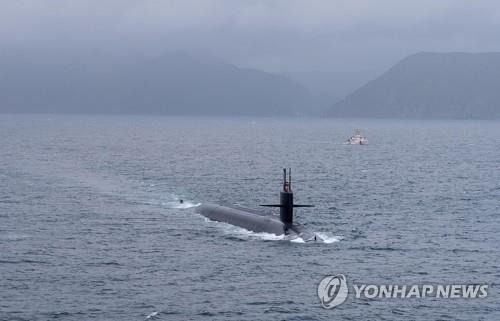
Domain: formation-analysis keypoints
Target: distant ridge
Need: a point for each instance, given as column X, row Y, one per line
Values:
column 430, row 85
column 176, row 83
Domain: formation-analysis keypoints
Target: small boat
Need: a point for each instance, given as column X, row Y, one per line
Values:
column 357, row 138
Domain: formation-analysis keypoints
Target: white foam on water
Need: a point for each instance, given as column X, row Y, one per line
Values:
column 244, row 234
column 152, row 315
column 248, row 235
column 179, row 205
column 264, row 236
column 327, row 237
column 297, row 240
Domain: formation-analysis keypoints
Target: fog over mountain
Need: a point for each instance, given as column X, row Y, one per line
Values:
column 176, row 83
column 103, row 56
column 329, row 86
column 430, row 85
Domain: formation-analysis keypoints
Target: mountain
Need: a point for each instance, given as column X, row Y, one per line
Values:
column 332, row 84
column 176, row 83
column 430, row 85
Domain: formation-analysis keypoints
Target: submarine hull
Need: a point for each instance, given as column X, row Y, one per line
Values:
column 254, row 222
column 242, row 218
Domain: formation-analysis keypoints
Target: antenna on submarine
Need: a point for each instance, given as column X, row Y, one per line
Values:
column 290, row 179
column 284, row 180
column 287, row 185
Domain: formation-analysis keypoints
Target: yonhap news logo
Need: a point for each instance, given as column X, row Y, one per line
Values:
column 334, row 290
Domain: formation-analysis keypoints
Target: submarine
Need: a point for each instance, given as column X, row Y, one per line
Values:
column 256, row 222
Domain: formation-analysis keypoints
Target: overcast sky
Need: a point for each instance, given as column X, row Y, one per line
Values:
column 278, row 36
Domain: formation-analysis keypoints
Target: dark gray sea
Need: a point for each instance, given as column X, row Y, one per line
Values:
column 91, row 227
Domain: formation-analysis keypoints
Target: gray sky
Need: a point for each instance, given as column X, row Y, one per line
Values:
column 278, row 36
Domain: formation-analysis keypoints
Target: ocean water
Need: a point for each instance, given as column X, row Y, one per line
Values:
column 91, row 226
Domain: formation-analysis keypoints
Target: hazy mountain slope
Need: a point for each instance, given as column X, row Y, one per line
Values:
column 176, row 83
column 430, row 85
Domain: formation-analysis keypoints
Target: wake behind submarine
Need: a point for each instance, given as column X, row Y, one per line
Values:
column 254, row 221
